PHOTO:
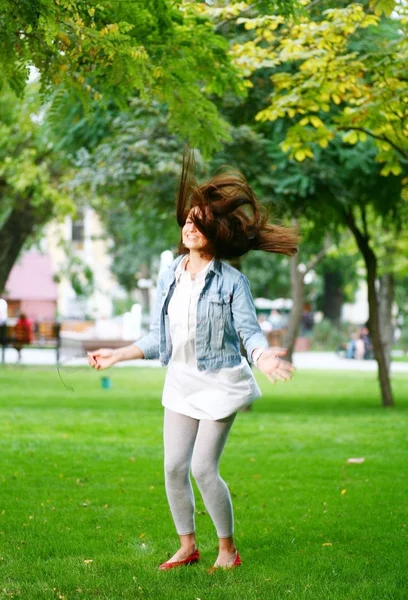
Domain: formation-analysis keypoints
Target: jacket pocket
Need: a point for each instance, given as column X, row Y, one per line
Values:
column 218, row 311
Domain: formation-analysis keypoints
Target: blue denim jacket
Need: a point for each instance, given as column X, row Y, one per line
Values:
column 225, row 312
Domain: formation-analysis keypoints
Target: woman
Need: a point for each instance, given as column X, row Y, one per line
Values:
column 203, row 308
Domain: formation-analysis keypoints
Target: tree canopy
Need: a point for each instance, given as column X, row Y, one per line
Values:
column 330, row 78
column 109, row 51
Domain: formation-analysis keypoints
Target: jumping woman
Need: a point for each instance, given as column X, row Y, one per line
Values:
column 203, row 309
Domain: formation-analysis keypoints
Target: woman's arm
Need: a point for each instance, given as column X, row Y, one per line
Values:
column 106, row 357
column 245, row 320
column 149, row 344
column 147, row 347
column 268, row 359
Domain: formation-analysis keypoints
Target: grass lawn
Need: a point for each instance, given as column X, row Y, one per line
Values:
column 400, row 358
column 83, row 512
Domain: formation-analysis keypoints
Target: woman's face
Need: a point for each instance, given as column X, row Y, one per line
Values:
column 192, row 238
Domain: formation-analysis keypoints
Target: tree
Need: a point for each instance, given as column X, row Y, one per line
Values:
column 326, row 87
column 108, row 51
column 340, row 277
column 131, row 179
column 29, row 176
column 98, row 56
column 329, row 65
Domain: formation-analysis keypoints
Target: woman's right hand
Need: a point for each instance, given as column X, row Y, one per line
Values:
column 102, row 358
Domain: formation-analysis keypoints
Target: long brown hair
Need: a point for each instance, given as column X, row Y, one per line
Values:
column 217, row 213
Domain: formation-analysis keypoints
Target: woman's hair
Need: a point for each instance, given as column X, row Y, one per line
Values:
column 218, row 213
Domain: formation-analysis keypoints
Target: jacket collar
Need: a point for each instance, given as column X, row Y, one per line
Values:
column 216, row 266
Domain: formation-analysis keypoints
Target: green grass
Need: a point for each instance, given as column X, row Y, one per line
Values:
column 81, row 479
column 400, row 358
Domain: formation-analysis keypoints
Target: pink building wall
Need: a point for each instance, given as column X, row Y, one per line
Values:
column 39, row 310
column 31, row 288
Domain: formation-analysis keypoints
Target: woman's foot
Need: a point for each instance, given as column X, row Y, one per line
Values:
column 227, row 559
column 184, row 556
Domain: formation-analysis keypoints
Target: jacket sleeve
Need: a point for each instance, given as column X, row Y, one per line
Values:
column 244, row 315
column 150, row 343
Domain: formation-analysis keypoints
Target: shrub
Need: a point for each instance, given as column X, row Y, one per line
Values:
column 403, row 340
column 327, row 336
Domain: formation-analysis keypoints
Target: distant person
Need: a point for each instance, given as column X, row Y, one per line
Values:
column 275, row 319
column 203, row 307
column 366, row 339
column 359, row 351
column 351, row 345
column 359, row 347
column 23, row 332
column 307, row 322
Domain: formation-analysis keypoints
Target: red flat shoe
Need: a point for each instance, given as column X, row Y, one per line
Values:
column 190, row 560
column 237, row 563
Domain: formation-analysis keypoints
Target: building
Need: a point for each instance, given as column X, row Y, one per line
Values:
column 85, row 238
column 39, row 284
column 31, row 288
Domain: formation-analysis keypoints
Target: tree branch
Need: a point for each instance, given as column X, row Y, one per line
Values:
column 313, row 262
column 225, row 21
column 312, row 4
column 378, row 137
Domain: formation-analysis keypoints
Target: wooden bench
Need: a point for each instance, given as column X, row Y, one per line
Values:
column 45, row 335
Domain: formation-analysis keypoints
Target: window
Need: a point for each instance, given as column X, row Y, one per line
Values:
column 78, row 230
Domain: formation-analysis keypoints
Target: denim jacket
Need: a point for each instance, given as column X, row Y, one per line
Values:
column 225, row 313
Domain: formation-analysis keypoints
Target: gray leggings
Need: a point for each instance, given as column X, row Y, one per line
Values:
column 196, row 444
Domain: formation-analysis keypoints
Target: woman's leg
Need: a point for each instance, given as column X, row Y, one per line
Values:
column 209, row 444
column 180, row 433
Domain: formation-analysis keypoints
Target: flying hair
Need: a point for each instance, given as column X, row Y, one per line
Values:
column 226, row 211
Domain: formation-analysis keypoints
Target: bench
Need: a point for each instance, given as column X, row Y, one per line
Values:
column 45, row 335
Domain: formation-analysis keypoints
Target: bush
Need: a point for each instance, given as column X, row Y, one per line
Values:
column 327, row 336
column 403, row 340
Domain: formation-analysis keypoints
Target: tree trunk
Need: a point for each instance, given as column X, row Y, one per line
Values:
column 332, row 296
column 386, row 299
column 20, row 224
column 298, row 297
column 297, row 280
column 370, row 259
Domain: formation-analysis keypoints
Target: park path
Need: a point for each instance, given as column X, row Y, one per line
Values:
column 327, row 361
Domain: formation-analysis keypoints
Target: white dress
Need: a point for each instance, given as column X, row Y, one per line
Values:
column 200, row 394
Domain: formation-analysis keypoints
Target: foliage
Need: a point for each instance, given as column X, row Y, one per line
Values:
column 401, row 296
column 403, row 340
column 131, row 179
column 28, row 164
column 137, row 150
column 344, row 263
column 122, row 305
column 328, row 337
column 109, row 51
column 76, row 271
column 268, row 274
column 340, row 75
column 138, row 238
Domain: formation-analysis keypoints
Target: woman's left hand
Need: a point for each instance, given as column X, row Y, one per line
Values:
column 274, row 367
